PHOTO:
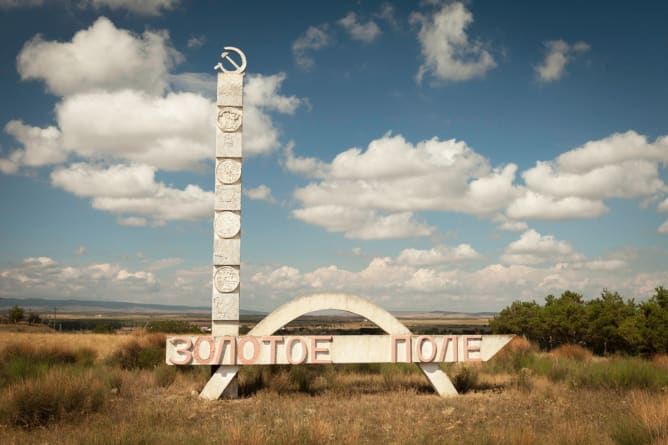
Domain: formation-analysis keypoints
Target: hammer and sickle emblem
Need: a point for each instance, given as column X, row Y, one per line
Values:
column 238, row 67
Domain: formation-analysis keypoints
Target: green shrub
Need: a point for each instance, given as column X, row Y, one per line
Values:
column 14, row 369
column 15, row 314
column 150, row 357
column 134, row 355
column 572, row 352
column 164, row 375
column 560, row 370
column 23, row 361
column 104, row 328
column 172, row 327
column 362, row 368
column 252, row 379
column 61, row 393
column 112, row 378
column 522, row 380
column 517, row 355
column 629, row 431
column 276, row 378
column 619, row 374
column 50, row 355
column 466, row 378
column 127, row 356
column 303, row 377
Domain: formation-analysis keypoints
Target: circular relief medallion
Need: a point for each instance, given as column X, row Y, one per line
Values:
column 227, row 224
column 228, row 171
column 226, row 279
column 229, row 119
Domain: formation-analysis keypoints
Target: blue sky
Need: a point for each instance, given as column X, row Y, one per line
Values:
column 427, row 155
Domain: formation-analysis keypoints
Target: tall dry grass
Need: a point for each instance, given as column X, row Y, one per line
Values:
column 661, row 361
column 59, row 394
column 651, row 410
column 102, row 344
column 389, row 404
column 572, row 352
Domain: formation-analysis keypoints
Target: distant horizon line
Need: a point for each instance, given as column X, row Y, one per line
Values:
column 111, row 304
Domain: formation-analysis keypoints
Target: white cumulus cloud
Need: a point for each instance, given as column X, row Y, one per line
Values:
column 395, row 177
column 314, row 38
column 534, row 248
column 362, row 32
column 363, row 223
column 260, row 193
column 558, row 54
column 118, row 181
column 196, row 41
column 508, row 224
column 448, row 52
column 132, row 193
column 438, row 255
column 41, row 146
column 663, row 207
column 576, row 183
column 614, row 149
column 305, row 166
column 174, row 132
column 663, row 228
column 124, row 116
column 262, row 96
column 47, row 278
column 101, row 57
column 399, row 284
column 534, row 205
column 387, row 13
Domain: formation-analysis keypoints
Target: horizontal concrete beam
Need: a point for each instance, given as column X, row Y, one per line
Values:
column 322, row 349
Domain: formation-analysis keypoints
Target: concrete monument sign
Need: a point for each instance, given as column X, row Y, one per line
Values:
column 323, row 349
column 225, row 350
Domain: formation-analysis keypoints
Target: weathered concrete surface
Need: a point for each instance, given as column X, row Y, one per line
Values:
column 227, row 213
column 325, row 301
column 343, row 302
column 337, row 349
column 227, row 241
column 219, row 381
column 438, row 379
column 357, row 305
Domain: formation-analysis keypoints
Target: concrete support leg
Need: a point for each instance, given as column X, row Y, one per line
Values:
column 225, row 378
column 439, row 380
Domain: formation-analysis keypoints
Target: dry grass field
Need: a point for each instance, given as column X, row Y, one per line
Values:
column 112, row 389
column 103, row 344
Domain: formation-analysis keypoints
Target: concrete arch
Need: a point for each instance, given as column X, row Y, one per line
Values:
column 329, row 301
column 356, row 305
column 224, row 375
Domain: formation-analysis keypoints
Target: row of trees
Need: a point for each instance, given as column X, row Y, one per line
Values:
column 606, row 324
column 17, row 314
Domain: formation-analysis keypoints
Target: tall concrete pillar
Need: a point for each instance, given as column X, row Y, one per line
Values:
column 227, row 206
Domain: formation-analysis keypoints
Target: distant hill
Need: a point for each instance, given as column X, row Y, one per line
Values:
column 44, row 305
column 442, row 314
column 95, row 307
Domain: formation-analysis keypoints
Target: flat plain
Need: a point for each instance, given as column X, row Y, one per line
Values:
column 114, row 389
